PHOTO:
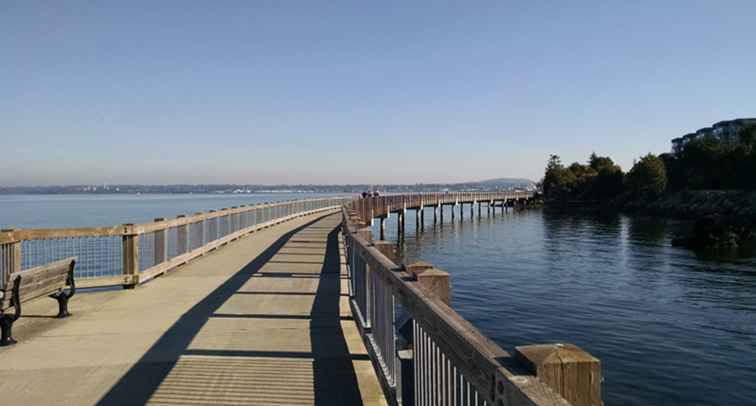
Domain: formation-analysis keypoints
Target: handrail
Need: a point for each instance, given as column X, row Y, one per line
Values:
column 130, row 254
column 451, row 362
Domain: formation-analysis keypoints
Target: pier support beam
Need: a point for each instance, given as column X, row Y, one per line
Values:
column 422, row 217
column 383, row 228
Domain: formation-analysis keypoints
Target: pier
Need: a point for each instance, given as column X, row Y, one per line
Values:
column 284, row 303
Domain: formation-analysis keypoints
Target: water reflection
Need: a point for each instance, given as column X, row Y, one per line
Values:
column 662, row 321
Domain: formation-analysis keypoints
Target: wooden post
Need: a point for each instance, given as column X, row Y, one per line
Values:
column 159, row 240
column 433, row 281
column 14, row 258
column 365, row 233
column 435, row 215
column 422, row 217
column 441, row 210
column 383, row 228
column 130, row 258
column 387, row 248
column 401, row 225
column 567, row 369
column 181, row 235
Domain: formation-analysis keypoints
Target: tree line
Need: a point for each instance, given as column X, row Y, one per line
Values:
column 707, row 162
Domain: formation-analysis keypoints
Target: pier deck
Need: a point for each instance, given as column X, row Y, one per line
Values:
column 265, row 320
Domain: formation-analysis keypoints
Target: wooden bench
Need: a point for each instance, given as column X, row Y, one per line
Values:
column 30, row 284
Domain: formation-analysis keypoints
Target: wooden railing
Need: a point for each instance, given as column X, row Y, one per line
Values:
column 380, row 206
column 427, row 354
column 131, row 254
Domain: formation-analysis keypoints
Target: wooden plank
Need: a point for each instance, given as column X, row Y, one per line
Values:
column 51, row 233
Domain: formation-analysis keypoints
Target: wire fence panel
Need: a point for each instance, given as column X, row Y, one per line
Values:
column 6, row 262
column 146, row 251
column 171, row 235
column 101, row 254
column 98, row 256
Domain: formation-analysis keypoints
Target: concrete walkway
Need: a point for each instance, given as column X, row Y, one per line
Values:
column 262, row 321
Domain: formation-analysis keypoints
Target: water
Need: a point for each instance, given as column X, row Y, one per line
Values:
column 48, row 211
column 669, row 328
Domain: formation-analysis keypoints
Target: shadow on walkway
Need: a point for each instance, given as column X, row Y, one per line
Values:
column 213, row 376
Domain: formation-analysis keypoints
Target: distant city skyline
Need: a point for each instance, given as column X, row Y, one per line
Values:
column 354, row 93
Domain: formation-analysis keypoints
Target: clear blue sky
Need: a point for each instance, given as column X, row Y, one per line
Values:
column 337, row 92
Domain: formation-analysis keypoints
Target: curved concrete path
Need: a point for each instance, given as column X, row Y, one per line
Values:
column 262, row 321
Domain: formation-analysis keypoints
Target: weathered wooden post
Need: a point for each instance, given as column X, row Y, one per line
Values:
column 181, row 236
column 422, row 217
column 13, row 258
column 434, row 282
column 386, row 248
column 383, row 228
column 567, row 369
column 159, row 243
column 130, row 258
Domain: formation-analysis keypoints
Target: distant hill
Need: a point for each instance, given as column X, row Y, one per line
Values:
column 505, row 182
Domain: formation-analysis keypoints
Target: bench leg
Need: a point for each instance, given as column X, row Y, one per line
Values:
column 6, row 320
column 6, row 324
column 62, row 305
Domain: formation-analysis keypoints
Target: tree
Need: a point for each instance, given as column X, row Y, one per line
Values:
column 558, row 181
column 648, row 178
column 608, row 182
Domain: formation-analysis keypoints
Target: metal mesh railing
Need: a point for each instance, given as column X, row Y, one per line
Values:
column 98, row 256
column 6, row 263
column 130, row 250
column 438, row 381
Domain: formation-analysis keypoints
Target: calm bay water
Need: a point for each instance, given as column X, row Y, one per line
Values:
column 669, row 328
column 45, row 211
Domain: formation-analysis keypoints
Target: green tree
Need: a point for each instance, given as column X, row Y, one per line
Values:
column 648, row 178
column 558, row 181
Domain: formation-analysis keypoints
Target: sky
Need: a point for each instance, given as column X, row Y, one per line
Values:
column 358, row 92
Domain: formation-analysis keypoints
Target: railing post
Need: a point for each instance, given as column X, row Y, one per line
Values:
column 13, row 258
column 181, row 236
column 567, row 369
column 130, row 258
column 433, row 281
column 406, row 380
column 386, row 248
column 159, row 240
